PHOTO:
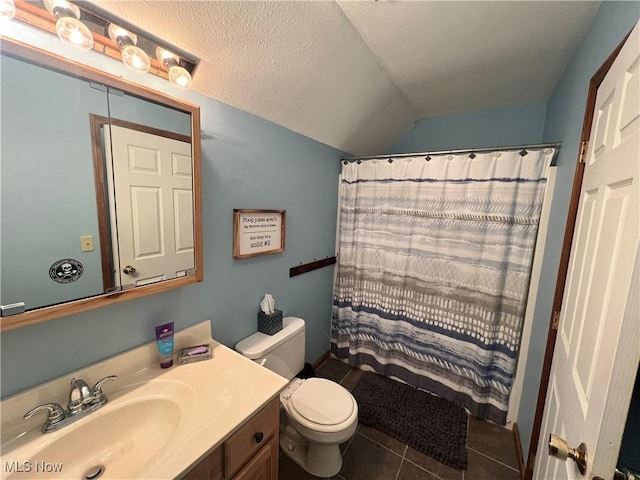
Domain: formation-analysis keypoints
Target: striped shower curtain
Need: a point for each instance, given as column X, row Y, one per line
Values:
column 435, row 256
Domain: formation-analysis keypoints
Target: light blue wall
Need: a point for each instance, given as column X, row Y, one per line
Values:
column 565, row 114
column 247, row 162
column 493, row 127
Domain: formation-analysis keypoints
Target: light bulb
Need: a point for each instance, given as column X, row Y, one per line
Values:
column 133, row 57
column 136, row 59
column 119, row 35
column 179, row 77
column 68, row 26
column 74, row 33
column 7, row 10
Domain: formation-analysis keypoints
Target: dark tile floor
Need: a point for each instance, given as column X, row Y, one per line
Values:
column 372, row 455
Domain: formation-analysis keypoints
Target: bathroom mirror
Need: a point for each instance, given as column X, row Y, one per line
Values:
column 100, row 197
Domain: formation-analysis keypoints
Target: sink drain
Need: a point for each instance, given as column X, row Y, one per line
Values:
column 94, row 472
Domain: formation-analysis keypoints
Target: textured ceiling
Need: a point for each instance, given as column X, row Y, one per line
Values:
column 356, row 75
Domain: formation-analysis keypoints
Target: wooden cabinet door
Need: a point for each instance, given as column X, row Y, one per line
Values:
column 261, row 466
column 252, row 451
column 210, row 468
column 250, row 438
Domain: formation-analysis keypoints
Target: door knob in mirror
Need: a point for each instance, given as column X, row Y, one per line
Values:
column 129, row 269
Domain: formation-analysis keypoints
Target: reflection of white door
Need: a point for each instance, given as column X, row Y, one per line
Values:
column 153, row 206
column 598, row 347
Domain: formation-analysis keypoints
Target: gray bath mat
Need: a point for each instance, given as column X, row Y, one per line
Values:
column 429, row 424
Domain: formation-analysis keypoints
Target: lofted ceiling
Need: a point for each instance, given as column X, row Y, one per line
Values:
column 356, row 75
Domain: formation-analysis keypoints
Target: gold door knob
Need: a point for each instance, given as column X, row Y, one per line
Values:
column 559, row 448
column 129, row 269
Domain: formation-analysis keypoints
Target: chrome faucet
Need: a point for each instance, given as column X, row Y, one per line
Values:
column 82, row 401
column 79, row 396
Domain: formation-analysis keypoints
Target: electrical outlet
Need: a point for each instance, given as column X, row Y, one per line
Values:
column 87, row 243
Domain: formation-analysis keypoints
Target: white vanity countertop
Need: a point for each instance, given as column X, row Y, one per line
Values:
column 236, row 387
column 215, row 396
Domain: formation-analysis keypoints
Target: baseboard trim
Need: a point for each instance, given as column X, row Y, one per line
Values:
column 519, row 455
column 323, row 358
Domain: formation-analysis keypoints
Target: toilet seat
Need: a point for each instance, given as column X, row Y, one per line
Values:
column 322, row 405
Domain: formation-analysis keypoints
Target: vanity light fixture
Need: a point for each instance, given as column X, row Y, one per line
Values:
column 179, row 76
column 133, row 56
column 87, row 26
column 7, row 10
column 68, row 25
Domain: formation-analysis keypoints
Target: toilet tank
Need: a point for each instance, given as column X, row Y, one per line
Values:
column 282, row 353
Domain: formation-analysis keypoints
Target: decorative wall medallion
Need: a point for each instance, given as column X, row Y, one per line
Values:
column 66, row 270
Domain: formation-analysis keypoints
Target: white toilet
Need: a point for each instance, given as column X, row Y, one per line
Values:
column 320, row 414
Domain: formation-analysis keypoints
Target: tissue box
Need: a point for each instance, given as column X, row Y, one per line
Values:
column 271, row 323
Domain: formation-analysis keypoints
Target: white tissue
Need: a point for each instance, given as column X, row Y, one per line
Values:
column 268, row 304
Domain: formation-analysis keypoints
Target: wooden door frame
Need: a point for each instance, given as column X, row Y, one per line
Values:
column 563, row 268
column 96, row 125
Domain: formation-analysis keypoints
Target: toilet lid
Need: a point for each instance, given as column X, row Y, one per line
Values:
column 322, row 401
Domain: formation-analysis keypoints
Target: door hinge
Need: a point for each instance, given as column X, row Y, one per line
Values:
column 98, row 86
column 11, row 309
column 555, row 321
column 583, row 151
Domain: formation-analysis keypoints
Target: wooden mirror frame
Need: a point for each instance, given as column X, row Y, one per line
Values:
column 16, row 49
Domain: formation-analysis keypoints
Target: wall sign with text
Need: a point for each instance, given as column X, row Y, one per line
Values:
column 258, row 232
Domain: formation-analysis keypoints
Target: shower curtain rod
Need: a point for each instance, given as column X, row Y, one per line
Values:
column 538, row 146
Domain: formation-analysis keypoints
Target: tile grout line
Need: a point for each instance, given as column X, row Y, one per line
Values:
column 406, row 448
column 399, row 468
column 424, row 469
column 345, row 375
column 349, row 442
column 494, row 459
column 380, row 445
column 404, row 453
column 483, row 454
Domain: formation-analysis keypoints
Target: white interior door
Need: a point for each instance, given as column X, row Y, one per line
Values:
column 598, row 344
column 153, row 206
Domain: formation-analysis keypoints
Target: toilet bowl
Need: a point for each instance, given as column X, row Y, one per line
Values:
column 319, row 414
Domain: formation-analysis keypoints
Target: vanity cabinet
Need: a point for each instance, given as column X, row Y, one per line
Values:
column 250, row 453
column 263, row 465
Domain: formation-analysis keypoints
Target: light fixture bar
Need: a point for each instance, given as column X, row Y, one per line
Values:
column 190, row 59
column 98, row 21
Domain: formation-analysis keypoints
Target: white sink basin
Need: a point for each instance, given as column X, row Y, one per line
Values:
column 126, row 437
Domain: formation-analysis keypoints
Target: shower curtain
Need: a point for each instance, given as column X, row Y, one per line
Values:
column 433, row 270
